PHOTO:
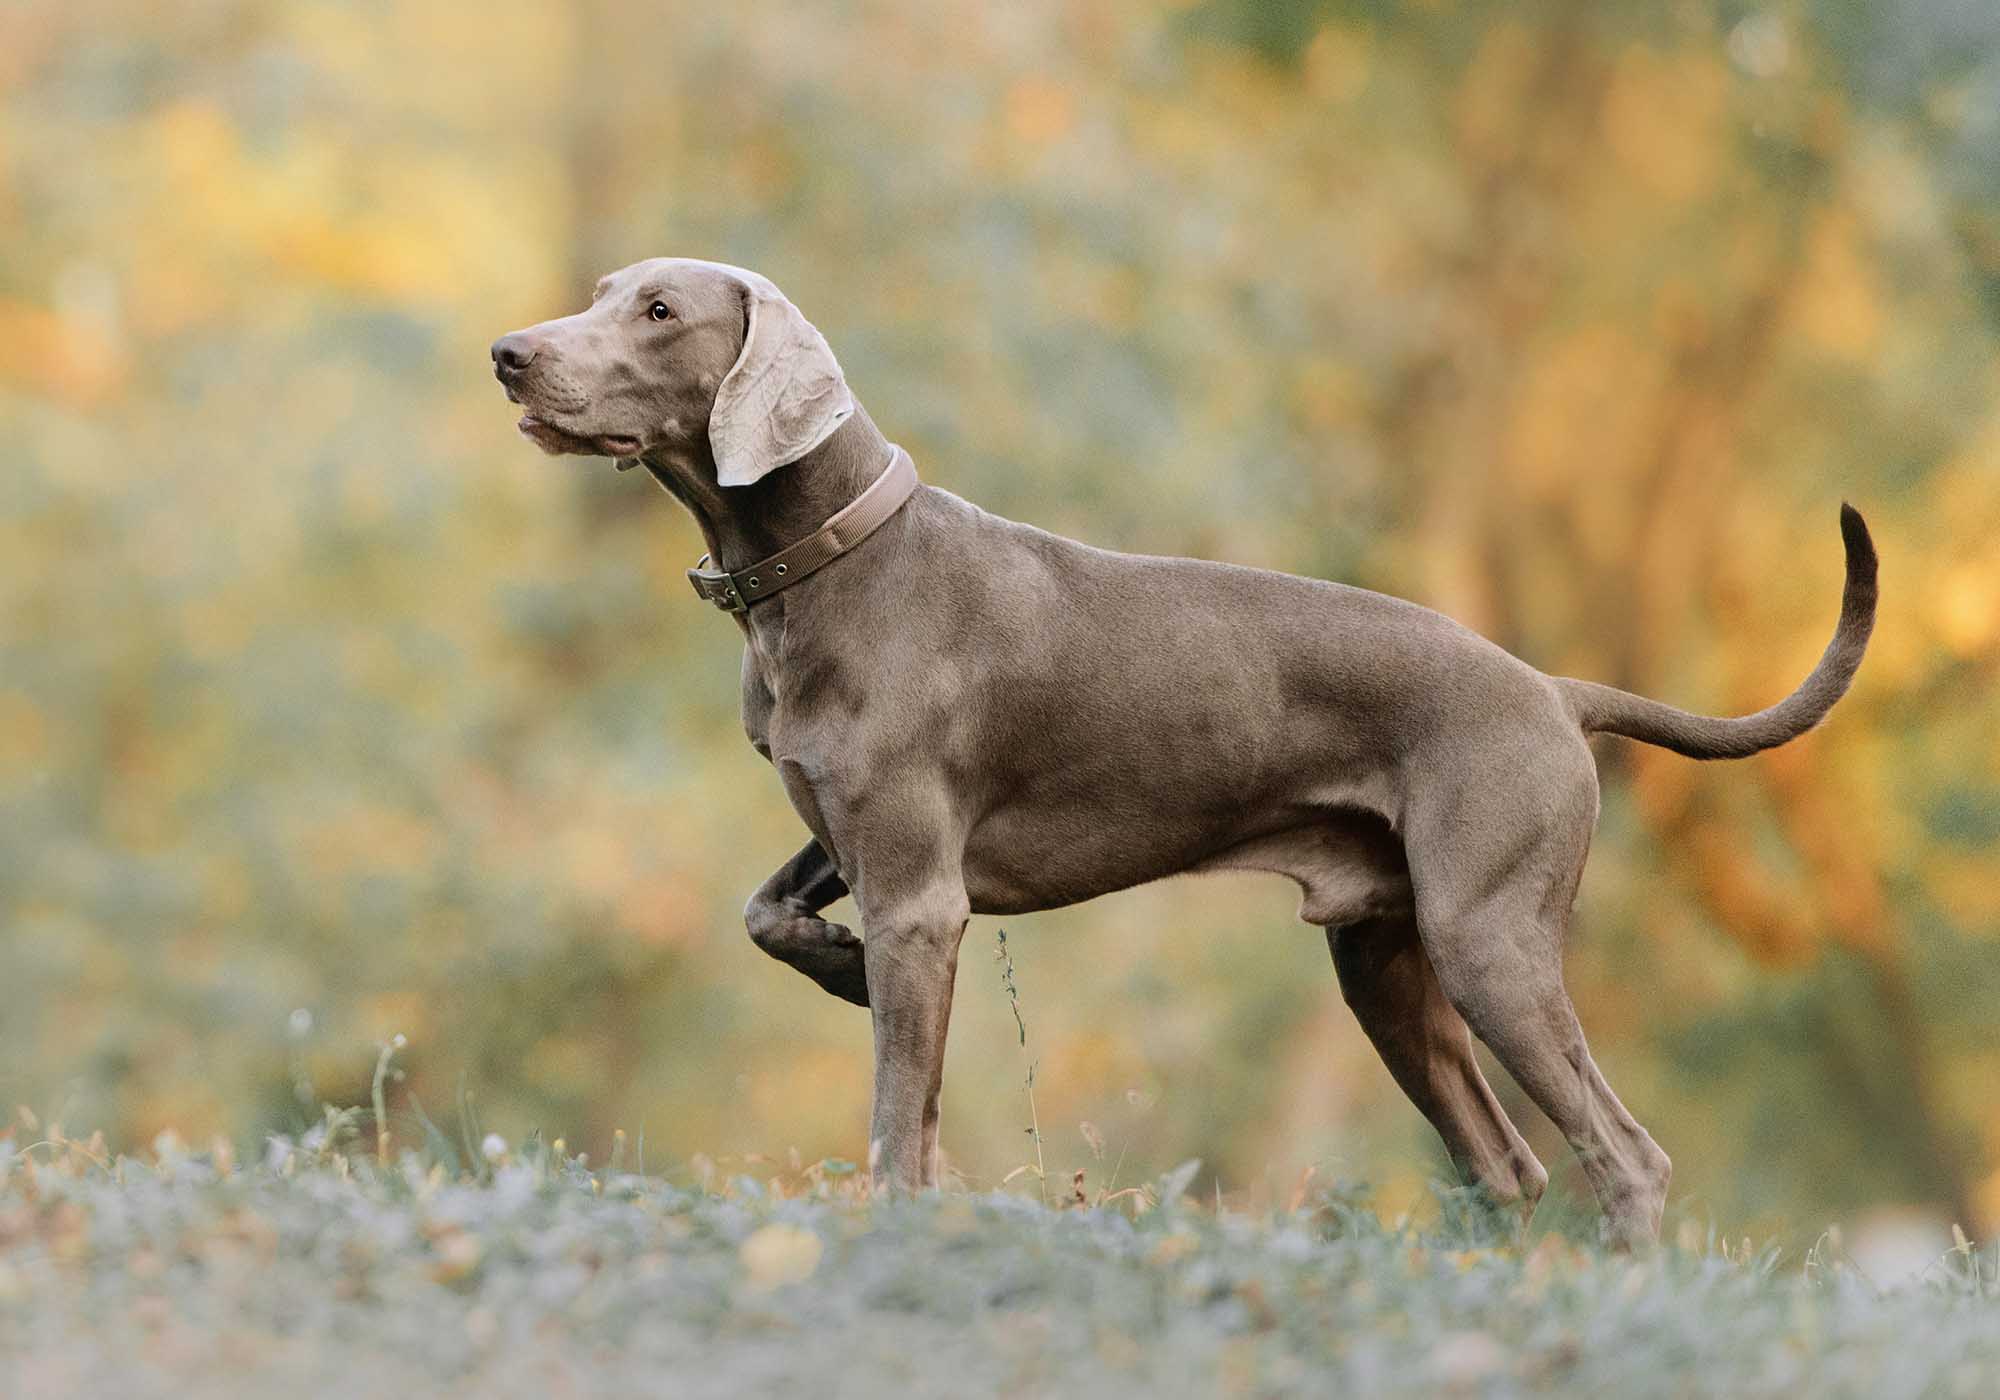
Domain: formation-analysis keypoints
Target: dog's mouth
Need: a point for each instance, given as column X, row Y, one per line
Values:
column 560, row 441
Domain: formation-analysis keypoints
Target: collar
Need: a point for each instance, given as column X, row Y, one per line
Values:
column 849, row 526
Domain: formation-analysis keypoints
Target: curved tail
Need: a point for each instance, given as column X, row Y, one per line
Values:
column 1606, row 709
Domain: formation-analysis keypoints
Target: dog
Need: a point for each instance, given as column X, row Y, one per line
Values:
column 972, row 715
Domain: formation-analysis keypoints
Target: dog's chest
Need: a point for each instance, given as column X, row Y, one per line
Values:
column 758, row 692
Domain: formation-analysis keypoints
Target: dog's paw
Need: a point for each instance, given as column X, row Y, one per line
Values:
column 830, row 954
column 841, row 967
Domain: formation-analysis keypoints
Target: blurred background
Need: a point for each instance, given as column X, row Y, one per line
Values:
column 330, row 710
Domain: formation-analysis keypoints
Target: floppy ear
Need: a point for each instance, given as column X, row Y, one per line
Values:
column 783, row 397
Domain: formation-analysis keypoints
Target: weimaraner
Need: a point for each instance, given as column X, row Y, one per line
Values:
column 975, row 716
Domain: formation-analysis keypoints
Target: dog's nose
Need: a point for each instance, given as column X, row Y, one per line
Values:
column 513, row 353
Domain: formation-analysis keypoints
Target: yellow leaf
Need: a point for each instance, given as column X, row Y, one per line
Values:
column 1039, row 110
column 779, row 1254
column 1966, row 608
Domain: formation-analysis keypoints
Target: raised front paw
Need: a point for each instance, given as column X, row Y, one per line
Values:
column 841, row 967
column 830, row 954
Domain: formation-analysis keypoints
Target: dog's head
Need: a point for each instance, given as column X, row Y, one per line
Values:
column 678, row 356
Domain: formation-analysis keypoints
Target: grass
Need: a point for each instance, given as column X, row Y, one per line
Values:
column 316, row 1269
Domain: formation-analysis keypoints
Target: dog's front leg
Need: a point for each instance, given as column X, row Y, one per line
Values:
column 912, row 959
column 783, row 920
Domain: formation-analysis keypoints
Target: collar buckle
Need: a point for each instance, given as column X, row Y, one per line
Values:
column 717, row 586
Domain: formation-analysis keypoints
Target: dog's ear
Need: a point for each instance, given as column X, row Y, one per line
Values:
column 783, row 397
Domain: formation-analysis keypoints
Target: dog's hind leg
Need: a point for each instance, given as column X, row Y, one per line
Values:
column 1495, row 868
column 1387, row 979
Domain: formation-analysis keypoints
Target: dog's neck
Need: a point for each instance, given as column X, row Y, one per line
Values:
column 742, row 524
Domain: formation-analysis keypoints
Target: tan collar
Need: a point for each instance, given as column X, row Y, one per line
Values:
column 849, row 526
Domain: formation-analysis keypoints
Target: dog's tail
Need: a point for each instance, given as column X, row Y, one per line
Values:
column 1606, row 709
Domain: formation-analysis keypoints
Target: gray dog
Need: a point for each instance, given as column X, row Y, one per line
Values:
column 972, row 715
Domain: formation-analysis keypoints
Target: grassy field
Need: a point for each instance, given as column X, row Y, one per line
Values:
column 315, row 1270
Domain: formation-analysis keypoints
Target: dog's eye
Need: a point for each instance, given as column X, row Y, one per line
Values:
column 659, row 311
